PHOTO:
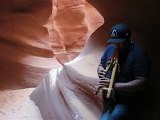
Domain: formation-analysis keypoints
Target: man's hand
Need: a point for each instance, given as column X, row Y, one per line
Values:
column 104, row 82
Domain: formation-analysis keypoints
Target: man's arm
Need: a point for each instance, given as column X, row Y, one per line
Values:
column 132, row 86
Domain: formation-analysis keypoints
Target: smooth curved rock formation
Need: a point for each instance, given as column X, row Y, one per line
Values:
column 26, row 55
column 36, row 36
column 68, row 90
column 70, row 25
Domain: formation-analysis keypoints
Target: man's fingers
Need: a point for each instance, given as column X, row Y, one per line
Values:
column 104, row 80
column 102, row 70
column 103, row 84
column 101, row 73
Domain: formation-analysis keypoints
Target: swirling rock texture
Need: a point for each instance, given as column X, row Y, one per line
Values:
column 25, row 54
column 39, row 35
column 70, row 89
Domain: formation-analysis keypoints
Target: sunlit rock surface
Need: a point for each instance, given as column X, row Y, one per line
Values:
column 36, row 36
column 68, row 90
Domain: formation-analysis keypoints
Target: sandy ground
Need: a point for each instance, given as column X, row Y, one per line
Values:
column 16, row 105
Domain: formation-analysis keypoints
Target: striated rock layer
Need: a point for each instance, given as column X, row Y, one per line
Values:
column 36, row 35
column 25, row 54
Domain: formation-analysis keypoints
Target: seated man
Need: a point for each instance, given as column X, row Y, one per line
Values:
column 131, row 74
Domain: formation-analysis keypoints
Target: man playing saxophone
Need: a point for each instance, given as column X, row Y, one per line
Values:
column 122, row 71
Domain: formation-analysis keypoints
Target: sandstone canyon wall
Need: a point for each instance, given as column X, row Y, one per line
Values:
column 24, row 42
column 35, row 33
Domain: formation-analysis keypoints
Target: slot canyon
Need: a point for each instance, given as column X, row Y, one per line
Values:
column 50, row 50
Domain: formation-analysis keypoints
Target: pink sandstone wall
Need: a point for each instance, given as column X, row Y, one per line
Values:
column 24, row 42
column 38, row 35
column 28, row 43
